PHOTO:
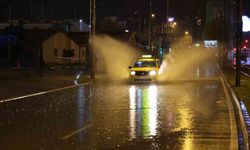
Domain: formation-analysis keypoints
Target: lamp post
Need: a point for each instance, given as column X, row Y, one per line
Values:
column 9, row 12
column 238, row 42
column 151, row 32
column 91, row 35
column 150, row 16
column 167, row 35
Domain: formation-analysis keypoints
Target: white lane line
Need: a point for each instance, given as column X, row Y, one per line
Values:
column 76, row 132
column 41, row 93
column 234, row 136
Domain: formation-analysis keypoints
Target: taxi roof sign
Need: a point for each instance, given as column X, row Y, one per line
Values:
column 146, row 56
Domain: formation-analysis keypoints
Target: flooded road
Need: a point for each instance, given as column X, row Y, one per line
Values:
column 177, row 115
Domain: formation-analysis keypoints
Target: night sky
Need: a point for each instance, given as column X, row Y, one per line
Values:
column 65, row 8
column 61, row 9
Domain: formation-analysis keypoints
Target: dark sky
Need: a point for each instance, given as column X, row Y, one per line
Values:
column 65, row 8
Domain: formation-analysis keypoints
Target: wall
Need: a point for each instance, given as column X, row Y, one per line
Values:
column 60, row 41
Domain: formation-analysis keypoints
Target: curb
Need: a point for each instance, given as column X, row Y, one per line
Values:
column 238, row 112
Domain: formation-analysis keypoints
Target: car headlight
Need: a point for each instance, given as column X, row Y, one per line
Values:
column 132, row 73
column 152, row 73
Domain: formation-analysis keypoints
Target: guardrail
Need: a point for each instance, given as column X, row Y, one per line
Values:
column 243, row 72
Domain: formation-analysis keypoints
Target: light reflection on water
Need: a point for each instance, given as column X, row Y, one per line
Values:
column 185, row 123
column 84, row 115
column 132, row 98
column 143, row 111
column 80, row 108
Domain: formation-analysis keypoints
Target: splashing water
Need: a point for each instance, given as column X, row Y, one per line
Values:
column 114, row 57
column 183, row 63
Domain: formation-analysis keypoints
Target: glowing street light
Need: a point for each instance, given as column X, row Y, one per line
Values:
column 174, row 24
column 186, row 33
column 171, row 19
column 246, row 24
column 152, row 15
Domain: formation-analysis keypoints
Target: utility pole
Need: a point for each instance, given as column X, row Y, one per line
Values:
column 69, row 40
column 91, row 35
column 9, row 10
column 238, row 41
column 74, row 7
column 167, row 35
column 69, row 34
column 31, row 10
column 167, row 9
column 150, row 26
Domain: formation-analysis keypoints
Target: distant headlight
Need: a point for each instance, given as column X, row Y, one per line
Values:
column 132, row 73
column 152, row 73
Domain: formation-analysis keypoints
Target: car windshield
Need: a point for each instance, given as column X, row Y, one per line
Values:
column 145, row 64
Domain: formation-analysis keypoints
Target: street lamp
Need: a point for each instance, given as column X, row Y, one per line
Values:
column 186, row 33
column 170, row 19
column 175, row 23
column 246, row 24
column 152, row 15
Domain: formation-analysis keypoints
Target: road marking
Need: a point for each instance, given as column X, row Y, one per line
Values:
column 41, row 93
column 76, row 132
column 234, row 136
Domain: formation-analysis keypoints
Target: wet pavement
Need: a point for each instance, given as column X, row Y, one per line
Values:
column 191, row 114
column 20, row 87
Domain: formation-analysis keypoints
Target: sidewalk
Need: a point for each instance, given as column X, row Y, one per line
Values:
column 24, row 83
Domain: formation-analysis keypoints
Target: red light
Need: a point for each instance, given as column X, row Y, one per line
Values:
column 234, row 49
column 244, row 47
column 246, row 41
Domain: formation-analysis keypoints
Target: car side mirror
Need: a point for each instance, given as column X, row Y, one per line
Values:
column 129, row 67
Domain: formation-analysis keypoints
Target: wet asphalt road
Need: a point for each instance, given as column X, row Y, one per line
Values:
column 186, row 115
